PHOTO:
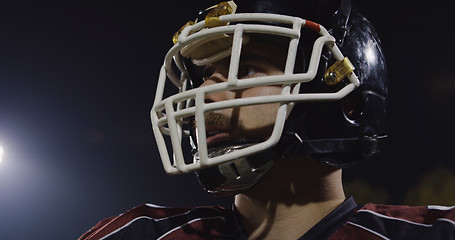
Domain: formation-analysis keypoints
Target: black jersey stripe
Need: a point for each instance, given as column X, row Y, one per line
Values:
column 446, row 220
column 390, row 227
column 191, row 222
column 369, row 230
column 124, row 226
column 164, row 225
column 393, row 218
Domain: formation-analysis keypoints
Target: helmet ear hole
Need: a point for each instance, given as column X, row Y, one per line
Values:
column 352, row 108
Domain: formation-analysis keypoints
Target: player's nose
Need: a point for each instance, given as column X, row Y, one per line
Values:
column 219, row 75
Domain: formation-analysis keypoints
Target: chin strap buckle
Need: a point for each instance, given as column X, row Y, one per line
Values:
column 372, row 145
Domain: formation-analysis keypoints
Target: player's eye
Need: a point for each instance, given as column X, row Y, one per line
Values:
column 248, row 71
column 208, row 71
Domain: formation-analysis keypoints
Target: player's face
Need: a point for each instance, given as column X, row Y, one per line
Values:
column 245, row 123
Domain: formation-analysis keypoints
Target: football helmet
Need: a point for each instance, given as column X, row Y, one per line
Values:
column 332, row 100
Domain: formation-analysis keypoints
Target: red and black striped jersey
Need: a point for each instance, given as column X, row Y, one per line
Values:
column 375, row 221
column 348, row 221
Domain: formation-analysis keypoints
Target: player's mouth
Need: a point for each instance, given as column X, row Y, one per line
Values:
column 215, row 136
column 220, row 131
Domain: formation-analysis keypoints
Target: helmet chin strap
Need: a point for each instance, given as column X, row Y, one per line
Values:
column 236, row 176
column 240, row 175
column 333, row 152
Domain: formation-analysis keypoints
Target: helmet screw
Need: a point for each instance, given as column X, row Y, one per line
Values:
column 330, row 78
column 338, row 71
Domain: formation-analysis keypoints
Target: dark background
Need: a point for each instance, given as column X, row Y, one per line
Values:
column 77, row 84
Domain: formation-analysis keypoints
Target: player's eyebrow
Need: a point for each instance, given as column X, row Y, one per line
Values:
column 255, row 54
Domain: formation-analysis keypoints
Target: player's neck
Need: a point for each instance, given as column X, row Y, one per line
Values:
column 295, row 191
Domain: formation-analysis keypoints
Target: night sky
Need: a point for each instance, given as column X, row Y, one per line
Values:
column 77, row 83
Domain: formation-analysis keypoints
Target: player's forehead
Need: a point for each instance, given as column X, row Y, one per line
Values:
column 272, row 50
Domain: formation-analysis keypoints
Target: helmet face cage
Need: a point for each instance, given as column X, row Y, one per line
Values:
column 172, row 116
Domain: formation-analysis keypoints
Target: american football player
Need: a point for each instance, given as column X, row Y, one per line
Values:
column 274, row 98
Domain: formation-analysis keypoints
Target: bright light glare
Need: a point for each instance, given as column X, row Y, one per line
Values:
column 370, row 54
column 1, row 153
